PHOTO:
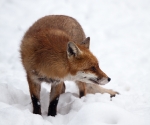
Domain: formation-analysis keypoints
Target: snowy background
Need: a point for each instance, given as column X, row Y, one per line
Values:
column 120, row 39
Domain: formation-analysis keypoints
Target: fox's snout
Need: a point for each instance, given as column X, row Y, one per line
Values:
column 98, row 76
column 101, row 81
column 108, row 79
column 104, row 81
column 92, row 77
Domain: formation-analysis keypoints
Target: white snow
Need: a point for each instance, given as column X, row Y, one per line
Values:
column 120, row 39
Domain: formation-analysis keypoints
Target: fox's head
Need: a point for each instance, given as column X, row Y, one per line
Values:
column 83, row 65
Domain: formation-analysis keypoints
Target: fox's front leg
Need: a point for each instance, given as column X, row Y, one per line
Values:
column 35, row 87
column 82, row 88
column 111, row 92
column 56, row 90
column 94, row 88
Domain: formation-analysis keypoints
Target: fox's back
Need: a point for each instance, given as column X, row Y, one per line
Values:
column 64, row 23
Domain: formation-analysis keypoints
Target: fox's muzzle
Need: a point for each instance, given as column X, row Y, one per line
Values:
column 101, row 81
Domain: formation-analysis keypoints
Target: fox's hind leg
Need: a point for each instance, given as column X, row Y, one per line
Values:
column 35, row 87
column 56, row 90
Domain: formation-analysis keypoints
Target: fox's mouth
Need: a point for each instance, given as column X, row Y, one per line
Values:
column 94, row 81
column 102, row 81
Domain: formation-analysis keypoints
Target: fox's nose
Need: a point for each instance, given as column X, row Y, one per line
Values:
column 109, row 79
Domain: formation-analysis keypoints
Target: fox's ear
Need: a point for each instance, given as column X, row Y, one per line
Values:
column 73, row 50
column 86, row 42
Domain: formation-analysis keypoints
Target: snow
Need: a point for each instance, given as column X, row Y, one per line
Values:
column 120, row 39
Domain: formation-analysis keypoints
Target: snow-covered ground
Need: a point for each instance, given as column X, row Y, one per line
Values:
column 120, row 38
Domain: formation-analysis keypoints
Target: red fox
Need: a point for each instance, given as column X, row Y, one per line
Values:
column 55, row 49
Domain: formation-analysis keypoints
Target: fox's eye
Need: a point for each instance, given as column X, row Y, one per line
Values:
column 93, row 68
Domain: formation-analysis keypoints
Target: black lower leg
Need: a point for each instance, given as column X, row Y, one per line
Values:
column 64, row 88
column 36, row 105
column 82, row 93
column 53, row 107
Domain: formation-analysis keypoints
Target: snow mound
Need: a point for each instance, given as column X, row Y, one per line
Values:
column 104, row 114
